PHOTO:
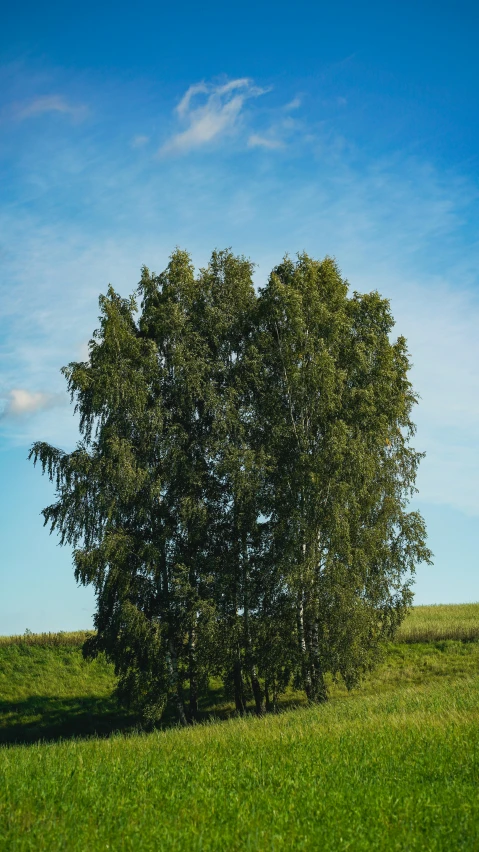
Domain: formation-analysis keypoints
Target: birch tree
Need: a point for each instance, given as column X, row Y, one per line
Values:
column 335, row 406
column 239, row 496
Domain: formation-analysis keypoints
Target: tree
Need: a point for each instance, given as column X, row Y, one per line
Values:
column 238, row 498
column 335, row 405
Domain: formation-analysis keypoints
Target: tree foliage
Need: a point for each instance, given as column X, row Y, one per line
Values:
column 239, row 498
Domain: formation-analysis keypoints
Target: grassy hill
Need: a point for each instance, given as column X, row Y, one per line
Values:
column 392, row 765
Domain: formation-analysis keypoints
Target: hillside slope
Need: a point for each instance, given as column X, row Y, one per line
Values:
column 393, row 765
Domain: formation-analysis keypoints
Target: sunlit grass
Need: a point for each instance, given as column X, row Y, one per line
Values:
column 48, row 691
column 389, row 772
column 48, row 640
column 442, row 621
column 393, row 765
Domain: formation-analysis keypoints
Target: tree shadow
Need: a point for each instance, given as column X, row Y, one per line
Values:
column 42, row 718
column 48, row 718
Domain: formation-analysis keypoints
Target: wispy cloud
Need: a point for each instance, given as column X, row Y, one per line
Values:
column 20, row 402
column 258, row 141
column 210, row 111
column 283, row 131
column 294, row 104
column 396, row 224
column 49, row 103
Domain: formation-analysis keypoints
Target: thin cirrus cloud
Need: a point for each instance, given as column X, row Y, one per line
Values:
column 258, row 141
column 20, row 402
column 294, row 104
column 50, row 104
column 210, row 111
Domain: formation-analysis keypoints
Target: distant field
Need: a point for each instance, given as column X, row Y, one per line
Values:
column 443, row 621
column 48, row 640
column 393, row 765
column 423, row 624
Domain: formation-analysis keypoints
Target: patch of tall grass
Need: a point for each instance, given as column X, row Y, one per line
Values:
column 48, row 640
column 439, row 622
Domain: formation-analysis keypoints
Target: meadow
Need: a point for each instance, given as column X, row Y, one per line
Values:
column 392, row 765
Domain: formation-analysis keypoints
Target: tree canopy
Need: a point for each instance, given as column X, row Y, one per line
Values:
column 239, row 496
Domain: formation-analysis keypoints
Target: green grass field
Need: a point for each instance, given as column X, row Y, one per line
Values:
column 393, row 765
column 443, row 621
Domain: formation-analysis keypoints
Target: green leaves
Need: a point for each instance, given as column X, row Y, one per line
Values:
column 238, row 500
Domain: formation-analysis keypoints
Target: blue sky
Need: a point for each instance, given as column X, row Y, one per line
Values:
column 346, row 129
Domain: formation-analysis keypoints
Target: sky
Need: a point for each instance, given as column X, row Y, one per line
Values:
column 345, row 129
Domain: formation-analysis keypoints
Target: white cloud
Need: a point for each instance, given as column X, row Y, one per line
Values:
column 20, row 402
column 283, row 131
column 197, row 89
column 257, row 141
column 294, row 104
column 397, row 225
column 49, row 103
column 216, row 114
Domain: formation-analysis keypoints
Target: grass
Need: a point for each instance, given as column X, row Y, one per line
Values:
column 393, row 772
column 48, row 691
column 391, row 766
column 443, row 621
column 48, row 640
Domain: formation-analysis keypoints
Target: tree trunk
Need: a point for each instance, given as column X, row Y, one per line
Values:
column 175, row 683
column 238, row 685
column 303, row 649
column 240, row 703
column 305, row 669
column 257, row 692
column 266, row 697
column 193, row 673
column 319, row 690
column 271, row 702
column 251, row 668
column 275, row 696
